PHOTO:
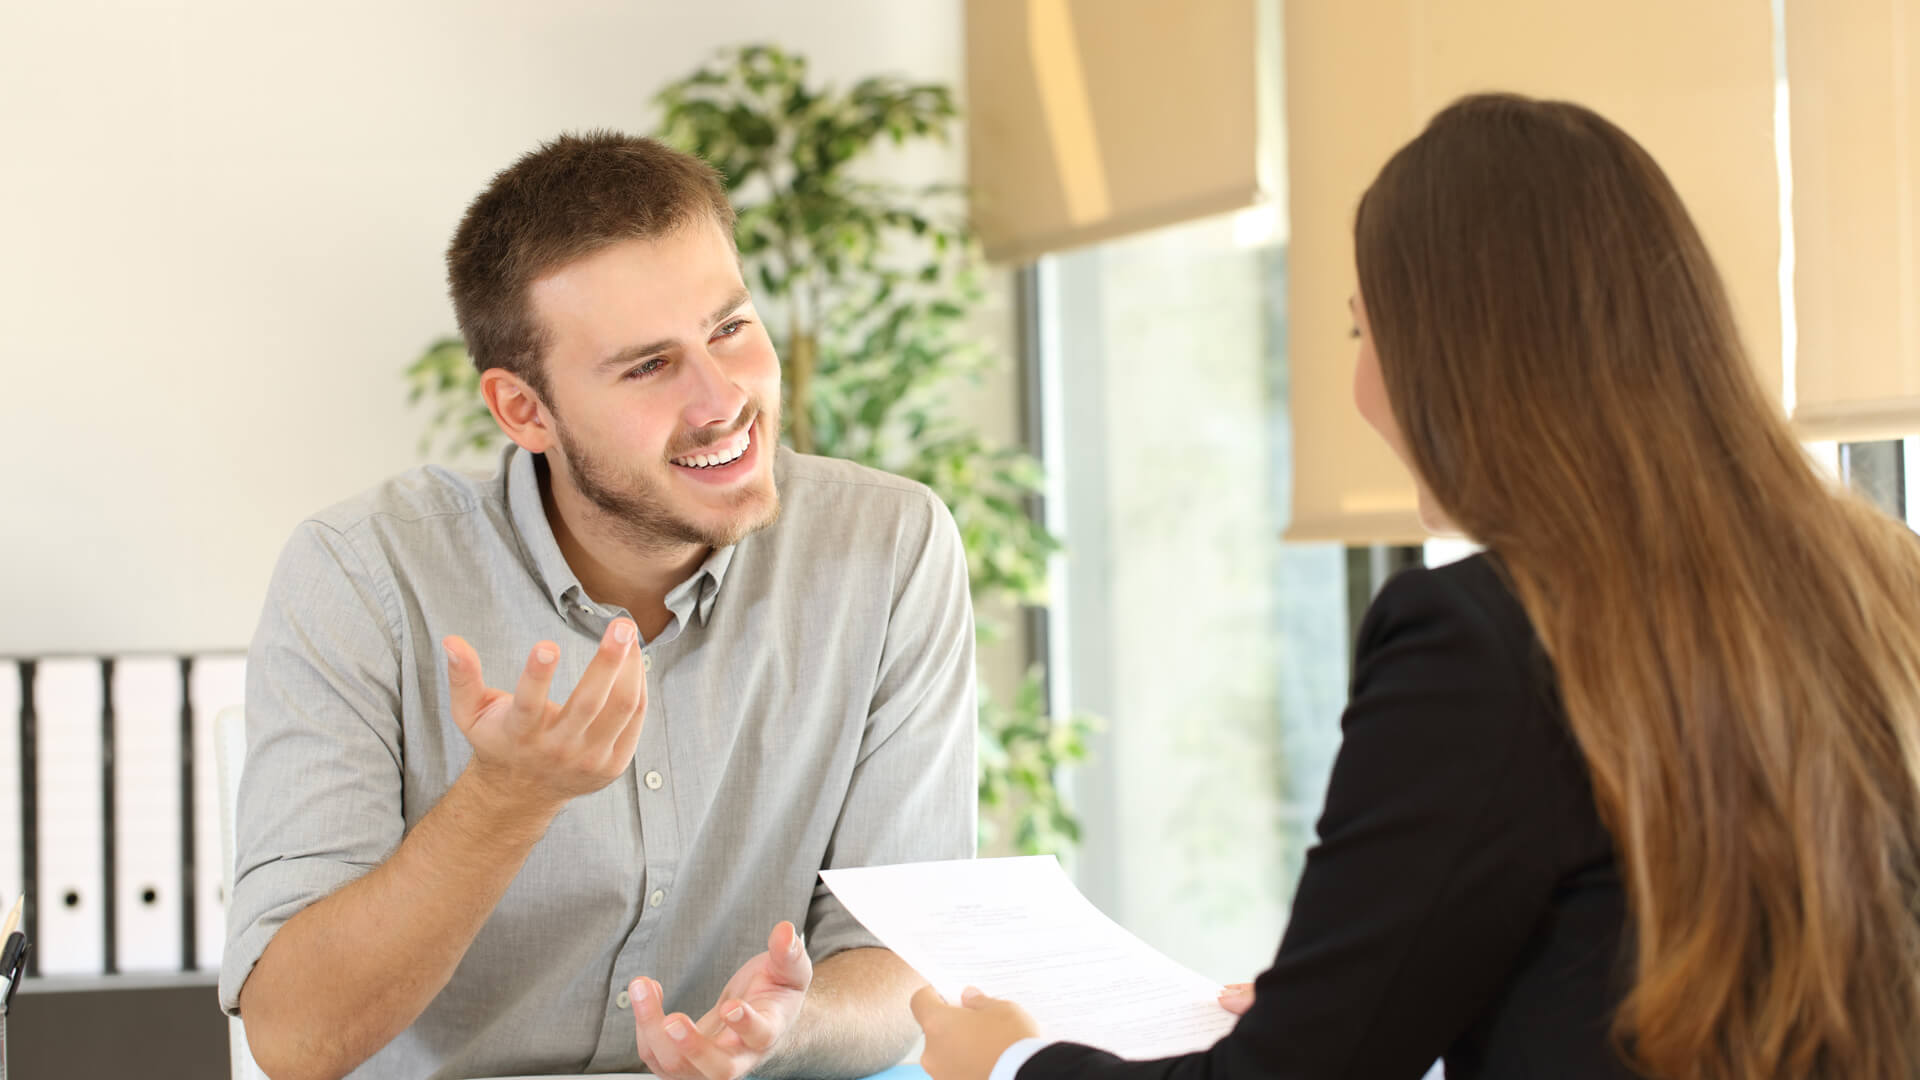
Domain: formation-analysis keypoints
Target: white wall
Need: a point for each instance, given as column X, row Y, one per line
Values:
column 221, row 227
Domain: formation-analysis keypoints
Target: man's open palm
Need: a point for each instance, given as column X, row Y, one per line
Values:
column 755, row 1010
column 526, row 744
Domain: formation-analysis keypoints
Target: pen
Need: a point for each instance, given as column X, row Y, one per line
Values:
column 13, row 957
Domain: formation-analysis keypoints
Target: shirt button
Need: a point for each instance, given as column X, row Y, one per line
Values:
column 654, row 780
column 646, row 661
column 659, row 897
column 624, row 1000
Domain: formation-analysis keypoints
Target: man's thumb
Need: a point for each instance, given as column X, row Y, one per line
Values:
column 791, row 965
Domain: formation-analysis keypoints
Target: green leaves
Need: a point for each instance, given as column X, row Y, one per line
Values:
column 1021, row 753
column 445, row 375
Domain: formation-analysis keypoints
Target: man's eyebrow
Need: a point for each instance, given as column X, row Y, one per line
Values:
column 635, row 352
column 735, row 302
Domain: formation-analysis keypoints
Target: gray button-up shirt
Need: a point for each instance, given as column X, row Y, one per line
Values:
column 811, row 704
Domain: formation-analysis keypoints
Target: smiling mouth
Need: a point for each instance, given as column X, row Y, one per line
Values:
column 723, row 453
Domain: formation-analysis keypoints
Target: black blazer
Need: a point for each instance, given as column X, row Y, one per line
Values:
column 1463, row 899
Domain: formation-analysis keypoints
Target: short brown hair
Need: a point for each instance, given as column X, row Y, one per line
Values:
column 570, row 198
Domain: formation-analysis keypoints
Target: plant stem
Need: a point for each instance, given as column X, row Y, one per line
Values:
column 802, row 353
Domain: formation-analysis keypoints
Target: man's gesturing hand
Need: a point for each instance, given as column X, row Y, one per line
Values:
column 755, row 1009
column 528, row 748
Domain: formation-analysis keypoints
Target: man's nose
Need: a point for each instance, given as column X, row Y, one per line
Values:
column 716, row 399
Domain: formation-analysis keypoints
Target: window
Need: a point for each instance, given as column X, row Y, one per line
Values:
column 1216, row 654
column 1886, row 472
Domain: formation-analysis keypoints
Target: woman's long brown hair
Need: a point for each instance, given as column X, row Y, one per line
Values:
column 1737, row 643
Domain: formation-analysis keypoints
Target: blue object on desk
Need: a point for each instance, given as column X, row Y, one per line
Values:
column 909, row 1071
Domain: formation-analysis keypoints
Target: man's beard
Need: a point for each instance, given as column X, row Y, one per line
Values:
column 636, row 505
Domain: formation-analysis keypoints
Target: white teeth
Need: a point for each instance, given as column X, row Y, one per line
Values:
column 724, row 456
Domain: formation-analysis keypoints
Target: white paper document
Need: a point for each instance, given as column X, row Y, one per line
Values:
column 1018, row 929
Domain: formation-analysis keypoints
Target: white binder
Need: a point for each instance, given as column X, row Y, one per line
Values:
column 216, row 682
column 147, row 814
column 12, row 873
column 71, row 908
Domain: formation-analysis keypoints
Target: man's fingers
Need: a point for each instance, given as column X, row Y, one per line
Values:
column 625, row 702
column 647, row 1057
column 466, row 688
column 628, row 739
column 973, row 998
column 530, row 693
column 672, row 1045
column 755, row 1032
column 697, row 1050
column 649, row 1024
column 590, row 693
column 666, row 1048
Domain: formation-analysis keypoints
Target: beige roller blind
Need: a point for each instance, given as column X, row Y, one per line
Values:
column 1853, row 67
column 1692, row 81
column 1091, row 119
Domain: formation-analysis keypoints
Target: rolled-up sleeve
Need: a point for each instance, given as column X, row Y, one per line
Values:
column 320, row 791
column 913, row 793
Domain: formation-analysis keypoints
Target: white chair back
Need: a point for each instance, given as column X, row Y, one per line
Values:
column 229, row 754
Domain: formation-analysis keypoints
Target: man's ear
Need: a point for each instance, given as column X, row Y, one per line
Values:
column 517, row 409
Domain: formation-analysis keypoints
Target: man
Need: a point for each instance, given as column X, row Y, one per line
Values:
column 602, row 862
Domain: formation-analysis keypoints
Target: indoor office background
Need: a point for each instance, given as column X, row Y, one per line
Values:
column 224, row 224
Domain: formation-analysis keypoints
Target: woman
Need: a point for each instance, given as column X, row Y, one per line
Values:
column 1636, row 789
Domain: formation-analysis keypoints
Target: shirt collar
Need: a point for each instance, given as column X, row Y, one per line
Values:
column 698, row 592
column 528, row 509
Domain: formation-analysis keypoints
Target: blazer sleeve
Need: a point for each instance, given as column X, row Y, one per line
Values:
column 1435, row 858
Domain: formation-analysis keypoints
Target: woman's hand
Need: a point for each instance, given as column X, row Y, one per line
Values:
column 1237, row 998
column 964, row 1041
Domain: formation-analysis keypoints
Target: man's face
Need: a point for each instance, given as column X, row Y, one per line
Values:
column 664, row 388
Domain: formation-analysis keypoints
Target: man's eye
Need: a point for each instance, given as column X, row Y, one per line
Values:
column 647, row 368
column 730, row 328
